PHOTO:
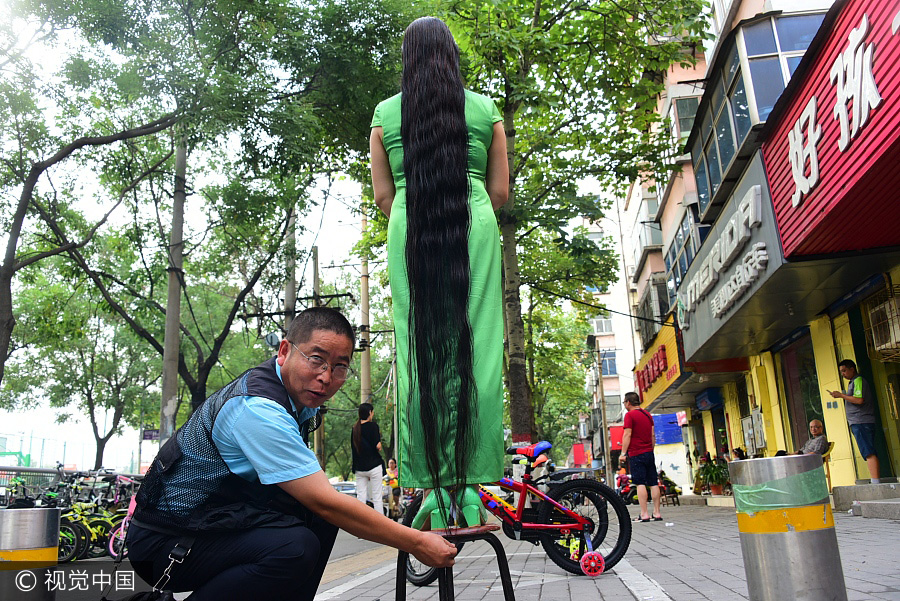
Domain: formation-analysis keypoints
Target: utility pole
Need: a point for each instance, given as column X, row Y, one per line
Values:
column 173, row 306
column 290, row 284
column 140, row 439
column 396, row 395
column 606, row 466
column 365, row 357
column 319, row 433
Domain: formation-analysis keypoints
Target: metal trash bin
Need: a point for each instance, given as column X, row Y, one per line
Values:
column 29, row 541
column 787, row 529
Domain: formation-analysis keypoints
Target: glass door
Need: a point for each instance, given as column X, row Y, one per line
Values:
column 801, row 388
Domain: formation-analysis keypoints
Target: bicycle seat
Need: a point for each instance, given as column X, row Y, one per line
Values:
column 531, row 451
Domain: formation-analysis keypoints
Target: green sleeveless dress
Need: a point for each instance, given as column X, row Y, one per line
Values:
column 485, row 306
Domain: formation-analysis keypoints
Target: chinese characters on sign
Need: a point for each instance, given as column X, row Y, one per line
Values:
column 854, row 82
column 857, row 96
column 723, row 252
column 656, row 366
column 747, row 272
column 799, row 152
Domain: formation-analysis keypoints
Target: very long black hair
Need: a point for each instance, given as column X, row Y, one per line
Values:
column 435, row 152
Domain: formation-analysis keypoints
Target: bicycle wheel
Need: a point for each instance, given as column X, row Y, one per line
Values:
column 85, row 544
column 100, row 529
column 418, row 573
column 69, row 540
column 116, row 541
column 610, row 530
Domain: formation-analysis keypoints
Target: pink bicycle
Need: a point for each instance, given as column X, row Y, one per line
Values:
column 116, row 540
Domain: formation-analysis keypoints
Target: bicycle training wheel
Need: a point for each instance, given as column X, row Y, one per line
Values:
column 418, row 573
column 69, row 539
column 610, row 529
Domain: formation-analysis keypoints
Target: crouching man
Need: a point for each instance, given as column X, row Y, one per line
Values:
column 238, row 487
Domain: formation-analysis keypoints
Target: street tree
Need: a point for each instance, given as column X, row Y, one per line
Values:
column 274, row 85
column 90, row 361
column 572, row 81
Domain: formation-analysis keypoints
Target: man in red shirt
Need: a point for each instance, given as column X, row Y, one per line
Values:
column 638, row 440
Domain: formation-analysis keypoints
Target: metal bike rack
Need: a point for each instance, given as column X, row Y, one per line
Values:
column 445, row 575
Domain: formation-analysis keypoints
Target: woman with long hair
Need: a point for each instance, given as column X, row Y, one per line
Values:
column 439, row 170
column 365, row 451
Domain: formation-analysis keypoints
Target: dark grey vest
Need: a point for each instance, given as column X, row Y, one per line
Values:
column 189, row 486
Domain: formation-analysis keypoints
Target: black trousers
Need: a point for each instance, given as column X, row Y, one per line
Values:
column 262, row 563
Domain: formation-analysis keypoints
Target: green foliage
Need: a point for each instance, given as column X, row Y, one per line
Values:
column 89, row 361
column 713, row 472
column 557, row 364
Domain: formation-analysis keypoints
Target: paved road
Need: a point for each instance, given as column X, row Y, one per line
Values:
column 694, row 555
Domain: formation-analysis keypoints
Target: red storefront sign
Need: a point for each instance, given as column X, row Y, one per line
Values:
column 656, row 366
column 832, row 144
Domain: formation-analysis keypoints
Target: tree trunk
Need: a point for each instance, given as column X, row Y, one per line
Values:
column 521, row 414
column 98, row 457
column 173, row 306
column 198, row 390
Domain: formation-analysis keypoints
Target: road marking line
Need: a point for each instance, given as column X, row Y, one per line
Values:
column 640, row 585
column 349, row 564
column 364, row 579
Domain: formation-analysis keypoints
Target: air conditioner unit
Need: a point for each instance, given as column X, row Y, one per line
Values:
column 885, row 320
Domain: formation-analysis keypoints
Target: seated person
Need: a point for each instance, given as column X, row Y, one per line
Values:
column 817, row 442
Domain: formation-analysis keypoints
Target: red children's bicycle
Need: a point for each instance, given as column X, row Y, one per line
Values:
column 582, row 524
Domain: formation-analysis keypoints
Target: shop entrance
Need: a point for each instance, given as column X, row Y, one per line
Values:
column 801, row 389
column 720, row 431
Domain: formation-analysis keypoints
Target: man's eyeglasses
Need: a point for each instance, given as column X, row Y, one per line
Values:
column 338, row 372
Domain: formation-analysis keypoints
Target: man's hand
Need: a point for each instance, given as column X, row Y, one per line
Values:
column 836, row 395
column 436, row 551
column 622, row 458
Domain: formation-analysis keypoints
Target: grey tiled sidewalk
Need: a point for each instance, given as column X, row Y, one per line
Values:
column 697, row 558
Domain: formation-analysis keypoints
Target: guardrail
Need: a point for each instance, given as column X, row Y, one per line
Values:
column 39, row 477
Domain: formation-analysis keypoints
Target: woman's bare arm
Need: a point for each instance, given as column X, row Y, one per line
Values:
column 497, row 180
column 382, row 179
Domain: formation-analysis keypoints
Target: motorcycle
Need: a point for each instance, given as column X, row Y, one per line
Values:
column 627, row 491
column 667, row 486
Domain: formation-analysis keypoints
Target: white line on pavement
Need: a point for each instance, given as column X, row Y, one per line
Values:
column 365, row 579
column 641, row 586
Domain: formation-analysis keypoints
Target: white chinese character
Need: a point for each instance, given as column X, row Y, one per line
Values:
column 852, row 74
column 102, row 579
column 125, row 581
column 798, row 153
column 55, row 580
column 78, row 581
column 756, row 260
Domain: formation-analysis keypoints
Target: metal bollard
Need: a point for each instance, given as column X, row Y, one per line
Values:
column 29, row 540
column 787, row 529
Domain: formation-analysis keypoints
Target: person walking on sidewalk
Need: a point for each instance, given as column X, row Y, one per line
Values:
column 638, row 440
column 365, row 443
column 859, row 402
column 236, row 506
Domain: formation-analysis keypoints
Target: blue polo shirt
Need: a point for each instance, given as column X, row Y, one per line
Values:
column 257, row 437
